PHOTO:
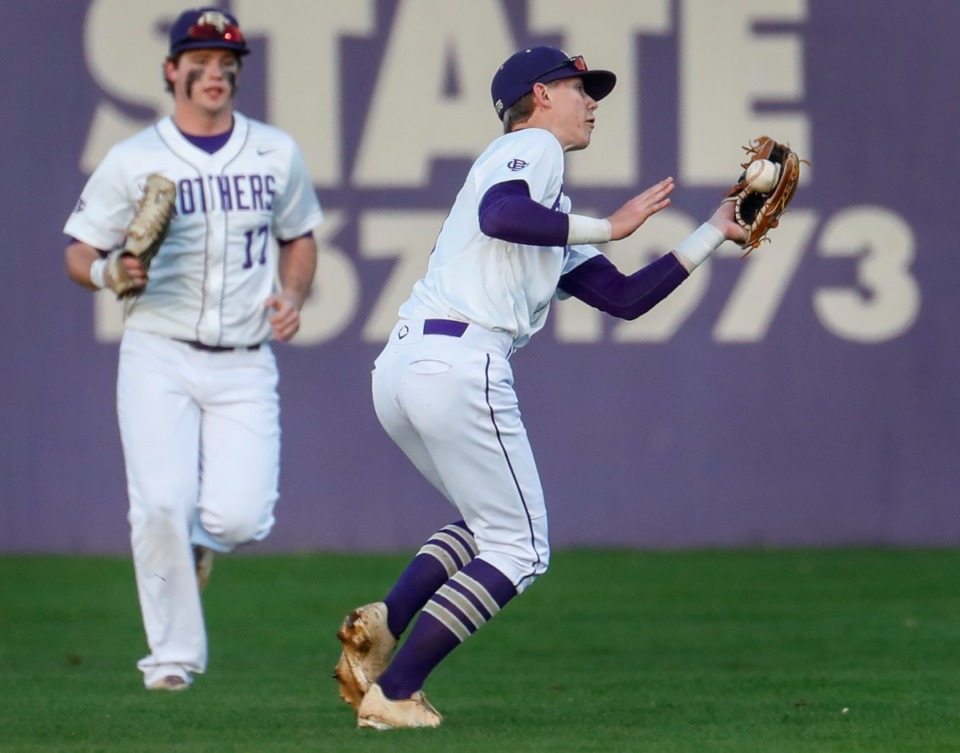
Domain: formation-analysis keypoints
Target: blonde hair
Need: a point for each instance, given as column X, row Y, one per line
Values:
column 518, row 113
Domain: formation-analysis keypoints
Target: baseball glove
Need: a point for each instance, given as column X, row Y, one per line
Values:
column 145, row 233
column 765, row 188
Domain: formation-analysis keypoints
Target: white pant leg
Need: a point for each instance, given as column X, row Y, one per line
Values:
column 201, row 441
column 451, row 401
column 398, row 426
column 160, row 430
column 240, row 450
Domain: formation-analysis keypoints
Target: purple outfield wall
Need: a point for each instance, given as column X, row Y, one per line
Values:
column 806, row 395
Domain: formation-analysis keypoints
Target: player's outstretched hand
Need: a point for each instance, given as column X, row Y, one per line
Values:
column 724, row 220
column 285, row 318
column 635, row 212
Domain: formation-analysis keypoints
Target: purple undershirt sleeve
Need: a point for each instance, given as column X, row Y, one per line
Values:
column 598, row 283
column 509, row 214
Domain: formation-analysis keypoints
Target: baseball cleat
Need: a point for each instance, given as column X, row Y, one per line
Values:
column 203, row 560
column 367, row 646
column 379, row 712
column 170, row 682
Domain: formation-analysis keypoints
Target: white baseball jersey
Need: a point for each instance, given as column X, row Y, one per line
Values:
column 218, row 263
column 501, row 286
column 200, row 428
column 445, row 393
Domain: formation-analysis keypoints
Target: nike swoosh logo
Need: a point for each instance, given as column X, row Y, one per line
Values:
column 262, row 151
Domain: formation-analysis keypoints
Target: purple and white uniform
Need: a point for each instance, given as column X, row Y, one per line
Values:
column 197, row 395
column 443, row 385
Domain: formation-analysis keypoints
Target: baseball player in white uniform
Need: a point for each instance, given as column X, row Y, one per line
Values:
column 197, row 398
column 443, row 385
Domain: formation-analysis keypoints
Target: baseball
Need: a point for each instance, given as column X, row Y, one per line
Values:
column 762, row 175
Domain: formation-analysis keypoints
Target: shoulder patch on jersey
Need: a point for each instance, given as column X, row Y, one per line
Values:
column 79, row 206
column 517, row 164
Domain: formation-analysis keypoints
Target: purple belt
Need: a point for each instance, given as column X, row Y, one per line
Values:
column 447, row 327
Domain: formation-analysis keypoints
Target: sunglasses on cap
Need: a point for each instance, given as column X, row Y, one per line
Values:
column 207, row 32
column 576, row 61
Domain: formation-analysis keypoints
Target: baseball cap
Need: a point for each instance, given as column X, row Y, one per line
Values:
column 523, row 69
column 206, row 28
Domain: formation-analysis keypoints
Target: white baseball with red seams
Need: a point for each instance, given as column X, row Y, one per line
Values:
column 762, row 176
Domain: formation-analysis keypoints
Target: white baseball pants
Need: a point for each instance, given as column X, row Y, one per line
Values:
column 201, row 443
column 448, row 402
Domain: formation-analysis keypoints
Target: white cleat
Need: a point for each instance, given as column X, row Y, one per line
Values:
column 170, row 682
column 367, row 646
column 379, row 712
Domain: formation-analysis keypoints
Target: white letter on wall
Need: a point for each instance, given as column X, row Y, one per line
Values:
column 608, row 41
column 304, row 71
column 726, row 68
column 414, row 118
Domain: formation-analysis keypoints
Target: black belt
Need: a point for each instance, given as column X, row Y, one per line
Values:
column 217, row 348
column 447, row 327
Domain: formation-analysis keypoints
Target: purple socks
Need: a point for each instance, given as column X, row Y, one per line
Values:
column 445, row 553
column 460, row 607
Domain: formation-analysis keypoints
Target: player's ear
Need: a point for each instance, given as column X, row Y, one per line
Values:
column 541, row 94
column 169, row 71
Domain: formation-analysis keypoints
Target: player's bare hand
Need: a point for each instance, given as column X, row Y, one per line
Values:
column 133, row 269
column 723, row 220
column 285, row 319
column 639, row 209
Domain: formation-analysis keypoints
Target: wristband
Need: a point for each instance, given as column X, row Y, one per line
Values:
column 97, row 270
column 702, row 242
column 584, row 229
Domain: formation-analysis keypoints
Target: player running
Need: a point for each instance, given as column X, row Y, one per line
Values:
column 197, row 398
column 443, row 385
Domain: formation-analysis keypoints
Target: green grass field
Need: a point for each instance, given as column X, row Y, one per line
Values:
column 773, row 651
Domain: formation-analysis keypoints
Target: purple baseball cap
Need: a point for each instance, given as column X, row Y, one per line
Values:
column 523, row 69
column 204, row 29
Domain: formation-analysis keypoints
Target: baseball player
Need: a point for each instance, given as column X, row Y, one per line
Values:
column 197, row 398
column 443, row 385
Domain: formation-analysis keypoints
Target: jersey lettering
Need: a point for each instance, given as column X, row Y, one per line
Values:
column 243, row 193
